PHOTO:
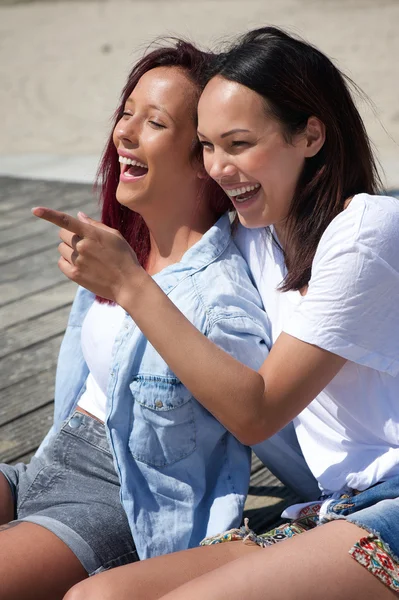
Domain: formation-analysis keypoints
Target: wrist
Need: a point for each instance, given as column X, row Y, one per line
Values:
column 131, row 292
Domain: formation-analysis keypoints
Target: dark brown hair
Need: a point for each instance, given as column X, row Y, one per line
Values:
column 298, row 81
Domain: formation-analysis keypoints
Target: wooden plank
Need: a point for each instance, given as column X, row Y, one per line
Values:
column 31, row 283
column 267, row 498
column 20, row 193
column 37, row 304
column 26, row 363
column 27, row 333
column 27, row 395
column 24, row 435
column 21, row 215
column 256, row 464
column 33, row 226
column 25, row 458
column 266, row 489
column 62, row 196
column 25, row 248
column 22, row 266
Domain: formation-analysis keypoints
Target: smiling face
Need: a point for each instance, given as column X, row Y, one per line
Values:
column 246, row 153
column 154, row 139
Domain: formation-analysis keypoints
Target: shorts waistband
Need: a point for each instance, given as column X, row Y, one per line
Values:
column 87, row 428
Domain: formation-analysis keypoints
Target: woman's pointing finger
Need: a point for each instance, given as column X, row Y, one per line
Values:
column 63, row 220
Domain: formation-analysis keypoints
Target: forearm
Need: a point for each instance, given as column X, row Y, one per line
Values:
column 231, row 391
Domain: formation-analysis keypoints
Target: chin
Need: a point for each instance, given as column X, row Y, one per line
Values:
column 252, row 222
column 128, row 199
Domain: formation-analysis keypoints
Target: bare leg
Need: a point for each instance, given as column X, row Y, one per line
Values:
column 151, row 579
column 313, row 565
column 6, row 501
column 35, row 564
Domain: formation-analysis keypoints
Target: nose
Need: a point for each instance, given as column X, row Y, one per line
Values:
column 127, row 132
column 220, row 166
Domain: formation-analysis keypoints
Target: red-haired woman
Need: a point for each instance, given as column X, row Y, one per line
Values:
column 134, row 467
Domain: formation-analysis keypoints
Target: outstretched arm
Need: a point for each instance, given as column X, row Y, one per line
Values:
column 98, row 258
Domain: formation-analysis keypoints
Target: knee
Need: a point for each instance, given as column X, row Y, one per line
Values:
column 92, row 588
column 85, row 590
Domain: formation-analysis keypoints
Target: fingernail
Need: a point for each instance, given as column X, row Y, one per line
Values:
column 37, row 211
column 82, row 216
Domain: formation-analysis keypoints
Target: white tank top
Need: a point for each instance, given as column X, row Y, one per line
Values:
column 99, row 330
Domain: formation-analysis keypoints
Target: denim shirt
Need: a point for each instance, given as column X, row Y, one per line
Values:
column 183, row 476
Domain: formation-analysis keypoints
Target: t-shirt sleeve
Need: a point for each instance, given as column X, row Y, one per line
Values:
column 352, row 304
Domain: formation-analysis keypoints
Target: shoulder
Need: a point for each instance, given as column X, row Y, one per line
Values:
column 379, row 224
column 350, row 308
column 226, row 288
column 370, row 224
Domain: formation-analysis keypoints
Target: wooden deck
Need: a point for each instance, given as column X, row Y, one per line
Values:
column 35, row 299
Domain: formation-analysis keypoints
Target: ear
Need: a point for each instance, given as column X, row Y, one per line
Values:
column 315, row 136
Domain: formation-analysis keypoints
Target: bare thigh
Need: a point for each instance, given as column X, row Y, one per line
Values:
column 35, row 564
column 6, row 501
column 151, row 579
column 310, row 566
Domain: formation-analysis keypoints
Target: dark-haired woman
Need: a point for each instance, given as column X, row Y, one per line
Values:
column 134, row 467
column 283, row 138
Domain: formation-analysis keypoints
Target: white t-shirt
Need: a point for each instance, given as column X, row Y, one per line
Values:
column 349, row 434
column 99, row 330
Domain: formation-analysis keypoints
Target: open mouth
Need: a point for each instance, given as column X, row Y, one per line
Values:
column 244, row 193
column 132, row 168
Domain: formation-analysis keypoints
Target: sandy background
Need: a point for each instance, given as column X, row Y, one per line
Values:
column 63, row 64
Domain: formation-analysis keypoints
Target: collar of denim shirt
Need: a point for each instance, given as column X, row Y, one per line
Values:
column 212, row 244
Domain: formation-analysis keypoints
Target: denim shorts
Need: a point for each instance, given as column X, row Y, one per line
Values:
column 72, row 489
column 376, row 510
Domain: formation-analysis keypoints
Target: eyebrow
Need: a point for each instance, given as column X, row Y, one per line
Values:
column 228, row 132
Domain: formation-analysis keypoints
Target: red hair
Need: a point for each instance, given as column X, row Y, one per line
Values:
column 130, row 224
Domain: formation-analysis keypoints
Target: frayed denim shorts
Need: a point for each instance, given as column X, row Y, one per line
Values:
column 376, row 510
column 72, row 489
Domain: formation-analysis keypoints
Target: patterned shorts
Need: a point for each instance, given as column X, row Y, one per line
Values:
column 376, row 510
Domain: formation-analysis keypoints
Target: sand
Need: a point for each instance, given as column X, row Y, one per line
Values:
column 63, row 64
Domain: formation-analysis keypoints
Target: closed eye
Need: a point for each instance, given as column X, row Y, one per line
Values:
column 157, row 125
column 205, row 144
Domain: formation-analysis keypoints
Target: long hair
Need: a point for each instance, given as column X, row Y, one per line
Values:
column 298, row 81
column 130, row 224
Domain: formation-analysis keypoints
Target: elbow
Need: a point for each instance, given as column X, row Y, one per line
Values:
column 254, row 424
column 253, row 431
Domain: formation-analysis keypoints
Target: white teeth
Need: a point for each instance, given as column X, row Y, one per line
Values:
column 239, row 191
column 129, row 161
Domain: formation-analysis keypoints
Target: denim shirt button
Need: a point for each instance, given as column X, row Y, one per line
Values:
column 158, row 403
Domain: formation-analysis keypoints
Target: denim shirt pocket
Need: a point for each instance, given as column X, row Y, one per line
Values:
column 163, row 428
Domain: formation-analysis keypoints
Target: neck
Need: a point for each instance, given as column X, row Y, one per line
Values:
column 281, row 234
column 172, row 234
